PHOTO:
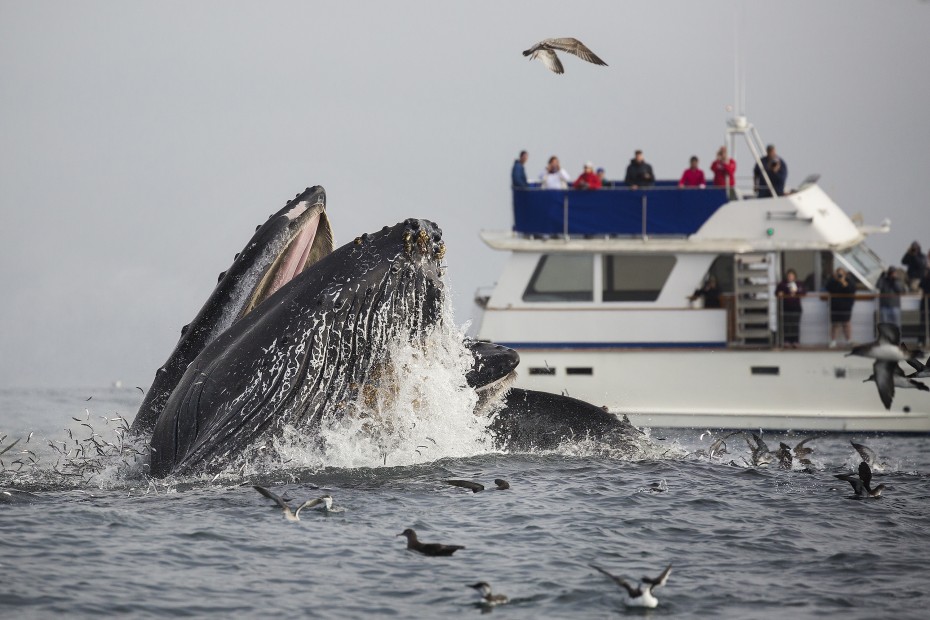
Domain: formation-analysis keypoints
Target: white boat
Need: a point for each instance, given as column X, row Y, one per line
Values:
column 595, row 298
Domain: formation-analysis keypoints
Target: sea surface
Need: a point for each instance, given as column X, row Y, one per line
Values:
column 90, row 536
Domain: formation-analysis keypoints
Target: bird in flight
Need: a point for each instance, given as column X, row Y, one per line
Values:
column 545, row 51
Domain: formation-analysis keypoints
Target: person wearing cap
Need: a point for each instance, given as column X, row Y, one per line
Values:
column 693, row 176
column 602, row 175
column 588, row 179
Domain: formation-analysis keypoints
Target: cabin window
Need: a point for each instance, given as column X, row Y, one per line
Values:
column 635, row 277
column 562, row 277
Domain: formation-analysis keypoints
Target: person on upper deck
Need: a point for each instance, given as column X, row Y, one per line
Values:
column 777, row 171
column 554, row 176
column 724, row 169
column 693, row 176
column 588, row 179
column 518, row 173
column 639, row 173
column 602, row 175
column 916, row 263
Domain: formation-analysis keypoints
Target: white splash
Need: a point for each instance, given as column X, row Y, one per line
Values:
column 423, row 410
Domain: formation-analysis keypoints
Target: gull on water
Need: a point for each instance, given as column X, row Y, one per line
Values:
column 487, row 598
column 545, row 51
column 475, row 487
column 292, row 514
column 640, row 595
column 434, row 549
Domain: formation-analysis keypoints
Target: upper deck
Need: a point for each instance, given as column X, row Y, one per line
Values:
column 662, row 210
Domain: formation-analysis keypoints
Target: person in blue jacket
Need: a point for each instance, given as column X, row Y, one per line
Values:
column 518, row 174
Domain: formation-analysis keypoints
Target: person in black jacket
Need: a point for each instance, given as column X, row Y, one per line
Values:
column 916, row 264
column 842, row 291
column 777, row 171
column 639, row 173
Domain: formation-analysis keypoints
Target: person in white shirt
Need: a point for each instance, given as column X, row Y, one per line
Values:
column 554, row 176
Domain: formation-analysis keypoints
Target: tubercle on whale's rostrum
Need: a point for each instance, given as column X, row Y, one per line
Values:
column 416, row 238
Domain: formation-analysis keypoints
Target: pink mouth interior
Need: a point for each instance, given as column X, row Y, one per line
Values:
column 295, row 256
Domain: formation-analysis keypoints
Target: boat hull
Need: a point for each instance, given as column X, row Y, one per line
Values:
column 810, row 390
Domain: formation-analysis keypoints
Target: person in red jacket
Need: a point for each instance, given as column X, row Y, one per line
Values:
column 693, row 176
column 588, row 179
column 724, row 169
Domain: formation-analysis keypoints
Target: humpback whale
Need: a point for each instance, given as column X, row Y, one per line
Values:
column 296, row 333
column 290, row 240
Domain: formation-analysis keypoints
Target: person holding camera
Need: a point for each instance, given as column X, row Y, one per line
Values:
column 777, row 171
column 890, row 289
column 842, row 296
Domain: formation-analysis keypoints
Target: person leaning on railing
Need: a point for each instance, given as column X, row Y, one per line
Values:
column 587, row 179
column 842, row 296
column 639, row 173
column 789, row 292
column 518, row 172
column 693, row 176
column 554, row 176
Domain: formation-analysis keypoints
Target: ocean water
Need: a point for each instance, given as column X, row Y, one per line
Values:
column 744, row 542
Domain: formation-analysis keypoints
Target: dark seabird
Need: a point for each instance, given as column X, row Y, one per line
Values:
column 428, row 548
column 289, row 513
column 868, row 456
column 863, row 484
column 475, row 487
column 921, row 369
column 641, row 595
column 784, row 455
column 545, row 51
column 761, row 455
column 887, row 347
column 888, row 376
column 487, row 598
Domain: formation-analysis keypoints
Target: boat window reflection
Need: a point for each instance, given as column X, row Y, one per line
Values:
column 635, row 277
column 562, row 277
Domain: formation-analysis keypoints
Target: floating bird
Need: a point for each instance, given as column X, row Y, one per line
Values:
column 294, row 515
column 545, row 51
column 641, row 595
column 475, row 487
column 433, row 549
column 887, row 347
column 656, row 487
column 487, row 598
column 863, row 484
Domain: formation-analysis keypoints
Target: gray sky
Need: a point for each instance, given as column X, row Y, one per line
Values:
column 140, row 143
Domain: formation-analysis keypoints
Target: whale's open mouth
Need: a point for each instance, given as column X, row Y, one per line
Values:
column 311, row 240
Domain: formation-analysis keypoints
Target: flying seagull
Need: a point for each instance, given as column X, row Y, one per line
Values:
column 641, row 595
column 545, row 51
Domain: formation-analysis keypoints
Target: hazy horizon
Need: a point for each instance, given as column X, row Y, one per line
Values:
column 142, row 142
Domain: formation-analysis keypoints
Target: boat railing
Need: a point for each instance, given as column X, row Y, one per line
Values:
column 816, row 324
column 663, row 209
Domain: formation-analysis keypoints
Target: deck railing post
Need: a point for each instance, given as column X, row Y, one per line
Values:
column 645, row 235
column 565, row 216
